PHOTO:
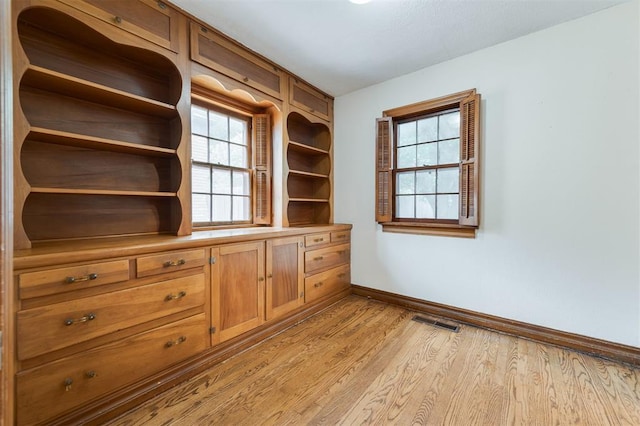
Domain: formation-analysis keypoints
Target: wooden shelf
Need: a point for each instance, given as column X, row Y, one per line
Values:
column 306, row 149
column 83, row 141
column 308, row 174
column 66, row 85
column 309, row 200
column 70, row 191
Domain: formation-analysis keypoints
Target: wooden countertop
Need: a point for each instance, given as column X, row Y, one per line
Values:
column 65, row 252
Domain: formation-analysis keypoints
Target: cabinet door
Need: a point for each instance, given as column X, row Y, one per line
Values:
column 285, row 276
column 153, row 20
column 237, row 289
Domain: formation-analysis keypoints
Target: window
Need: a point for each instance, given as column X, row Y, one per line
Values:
column 230, row 167
column 427, row 166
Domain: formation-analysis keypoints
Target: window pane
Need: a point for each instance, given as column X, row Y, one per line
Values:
column 240, row 183
column 241, row 208
column 238, row 155
column 405, row 206
column 447, row 207
column 219, row 152
column 427, row 154
column 222, row 208
column 221, row 179
column 201, row 208
column 426, row 182
column 405, row 183
column 448, row 180
column 407, row 133
column 449, row 151
column 200, row 179
column 449, row 125
column 407, row 157
column 428, row 129
column 199, row 148
column 218, row 126
column 237, row 131
column 198, row 120
column 426, row 206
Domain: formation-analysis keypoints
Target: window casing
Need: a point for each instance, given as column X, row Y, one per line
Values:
column 427, row 166
column 231, row 166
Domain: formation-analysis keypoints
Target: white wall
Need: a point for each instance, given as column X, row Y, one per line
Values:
column 560, row 219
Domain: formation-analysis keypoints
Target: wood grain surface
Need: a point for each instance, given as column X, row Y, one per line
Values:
column 366, row 362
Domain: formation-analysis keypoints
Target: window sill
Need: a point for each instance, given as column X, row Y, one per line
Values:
column 430, row 229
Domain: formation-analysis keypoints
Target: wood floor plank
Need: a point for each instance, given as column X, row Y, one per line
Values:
column 366, row 362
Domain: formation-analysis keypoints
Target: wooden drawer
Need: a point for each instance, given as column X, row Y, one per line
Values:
column 309, row 99
column 152, row 20
column 42, row 392
column 48, row 328
column 53, row 281
column 169, row 262
column 340, row 236
column 324, row 283
column 316, row 260
column 220, row 54
column 317, row 239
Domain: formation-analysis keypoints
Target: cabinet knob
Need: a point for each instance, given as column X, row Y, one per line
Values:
column 67, row 384
column 170, row 263
column 261, row 279
column 117, row 20
column 90, row 374
column 178, row 341
column 318, row 284
column 180, row 295
column 270, row 276
column 85, row 318
column 72, row 280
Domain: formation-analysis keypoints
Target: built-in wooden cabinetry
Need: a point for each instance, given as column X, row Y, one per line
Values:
column 114, row 298
column 100, row 322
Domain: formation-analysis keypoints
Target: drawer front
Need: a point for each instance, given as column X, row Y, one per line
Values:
column 152, row 20
column 340, row 236
column 218, row 53
column 169, row 262
column 317, row 239
column 309, row 99
column 324, row 283
column 53, row 281
column 59, row 325
column 316, row 260
column 54, row 388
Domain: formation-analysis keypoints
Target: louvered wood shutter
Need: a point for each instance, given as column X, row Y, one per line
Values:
column 469, row 150
column 262, row 164
column 384, row 182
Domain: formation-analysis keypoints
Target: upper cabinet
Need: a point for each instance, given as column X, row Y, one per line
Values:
column 224, row 56
column 307, row 98
column 153, row 20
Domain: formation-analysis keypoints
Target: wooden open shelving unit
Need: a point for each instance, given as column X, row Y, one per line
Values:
column 309, row 178
column 100, row 156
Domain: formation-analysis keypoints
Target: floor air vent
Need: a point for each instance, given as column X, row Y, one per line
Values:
column 436, row 323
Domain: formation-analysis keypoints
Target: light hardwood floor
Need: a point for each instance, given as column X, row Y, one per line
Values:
column 365, row 362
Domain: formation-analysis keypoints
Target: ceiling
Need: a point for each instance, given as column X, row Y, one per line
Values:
column 341, row 47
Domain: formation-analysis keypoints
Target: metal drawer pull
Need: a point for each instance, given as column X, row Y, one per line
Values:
column 341, row 252
column 71, row 280
column 318, row 284
column 342, row 275
column 339, row 237
column 67, row 384
column 318, row 258
column 117, row 20
column 90, row 374
column 87, row 317
column 318, row 240
column 180, row 339
column 180, row 295
column 176, row 263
